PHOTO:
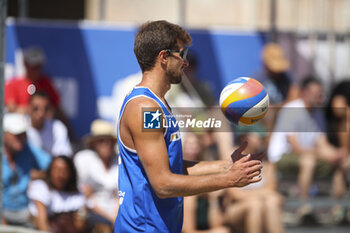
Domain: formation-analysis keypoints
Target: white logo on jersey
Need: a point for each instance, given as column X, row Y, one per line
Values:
column 121, row 197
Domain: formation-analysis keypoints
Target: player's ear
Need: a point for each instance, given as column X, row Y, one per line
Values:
column 163, row 57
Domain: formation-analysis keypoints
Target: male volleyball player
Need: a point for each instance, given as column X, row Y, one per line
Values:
column 151, row 179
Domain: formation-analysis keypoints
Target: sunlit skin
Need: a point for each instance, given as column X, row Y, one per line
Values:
column 175, row 67
column 38, row 110
column 59, row 174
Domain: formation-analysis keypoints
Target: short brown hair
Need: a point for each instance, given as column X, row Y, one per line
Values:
column 154, row 37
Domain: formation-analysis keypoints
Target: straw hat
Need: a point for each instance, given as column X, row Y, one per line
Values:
column 274, row 58
column 99, row 129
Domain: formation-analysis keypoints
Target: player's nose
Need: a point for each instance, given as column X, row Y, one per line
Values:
column 185, row 63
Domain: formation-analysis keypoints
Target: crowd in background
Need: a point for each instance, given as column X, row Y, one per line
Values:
column 51, row 184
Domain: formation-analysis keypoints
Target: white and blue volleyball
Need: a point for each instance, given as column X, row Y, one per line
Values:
column 244, row 101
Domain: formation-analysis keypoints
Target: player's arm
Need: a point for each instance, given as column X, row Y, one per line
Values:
column 219, row 166
column 195, row 168
column 152, row 152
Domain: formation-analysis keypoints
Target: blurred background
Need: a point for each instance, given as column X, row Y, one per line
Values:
column 85, row 50
column 89, row 44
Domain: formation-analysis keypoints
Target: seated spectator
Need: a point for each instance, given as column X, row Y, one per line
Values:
column 257, row 207
column 338, row 119
column 277, row 80
column 19, row 89
column 299, row 130
column 275, row 76
column 55, row 202
column 97, row 169
column 20, row 163
column 46, row 133
column 202, row 213
column 338, row 115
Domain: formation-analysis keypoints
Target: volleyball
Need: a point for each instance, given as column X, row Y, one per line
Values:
column 244, row 101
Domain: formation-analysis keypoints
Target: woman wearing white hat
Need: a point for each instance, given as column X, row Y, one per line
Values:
column 97, row 169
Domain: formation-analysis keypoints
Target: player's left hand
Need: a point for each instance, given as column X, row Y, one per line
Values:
column 237, row 154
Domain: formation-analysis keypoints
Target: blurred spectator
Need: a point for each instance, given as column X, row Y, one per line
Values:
column 202, row 213
column 97, row 169
column 120, row 89
column 257, row 207
column 277, row 81
column 338, row 115
column 56, row 203
column 338, row 119
column 21, row 162
column 298, row 130
column 49, row 134
column 195, row 87
column 19, row 89
column 275, row 77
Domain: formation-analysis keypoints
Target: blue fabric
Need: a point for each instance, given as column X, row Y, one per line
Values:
column 140, row 209
column 15, row 182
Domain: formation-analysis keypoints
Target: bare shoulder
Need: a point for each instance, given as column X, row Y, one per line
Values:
column 136, row 106
column 141, row 102
column 133, row 114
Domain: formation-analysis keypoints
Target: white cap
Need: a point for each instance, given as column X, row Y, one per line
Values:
column 34, row 56
column 15, row 123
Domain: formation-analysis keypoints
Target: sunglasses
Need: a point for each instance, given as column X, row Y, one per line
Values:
column 182, row 53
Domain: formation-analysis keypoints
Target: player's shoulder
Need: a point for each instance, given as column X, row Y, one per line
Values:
column 142, row 102
column 135, row 109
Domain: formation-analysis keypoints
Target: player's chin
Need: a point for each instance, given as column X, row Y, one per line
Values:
column 176, row 79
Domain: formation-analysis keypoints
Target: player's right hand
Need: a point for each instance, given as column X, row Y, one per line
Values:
column 244, row 171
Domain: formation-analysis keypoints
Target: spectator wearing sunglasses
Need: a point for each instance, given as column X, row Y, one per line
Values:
column 46, row 133
column 21, row 163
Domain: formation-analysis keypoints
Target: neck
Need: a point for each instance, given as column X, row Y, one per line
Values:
column 156, row 81
column 37, row 126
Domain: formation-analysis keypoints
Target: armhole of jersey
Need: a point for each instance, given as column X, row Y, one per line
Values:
column 121, row 115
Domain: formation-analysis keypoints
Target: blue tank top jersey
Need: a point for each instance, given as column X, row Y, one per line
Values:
column 140, row 209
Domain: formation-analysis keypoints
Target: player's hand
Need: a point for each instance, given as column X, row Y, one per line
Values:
column 244, row 171
column 237, row 154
